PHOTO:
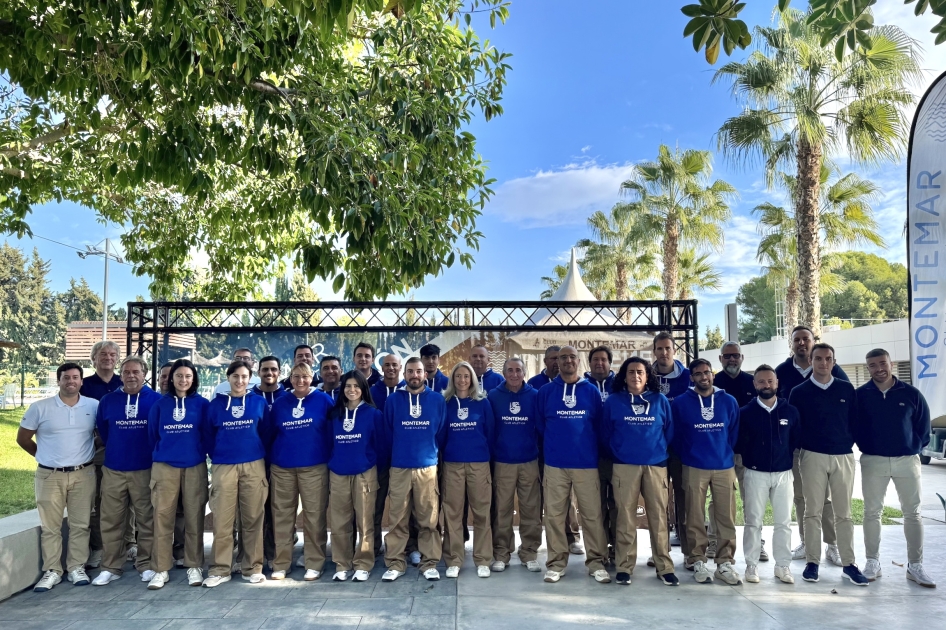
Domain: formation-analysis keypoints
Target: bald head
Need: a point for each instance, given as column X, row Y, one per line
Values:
column 568, row 363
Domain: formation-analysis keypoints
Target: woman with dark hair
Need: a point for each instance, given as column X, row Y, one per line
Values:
column 299, row 439
column 467, row 450
column 178, row 471
column 637, row 427
column 236, row 449
column 353, row 477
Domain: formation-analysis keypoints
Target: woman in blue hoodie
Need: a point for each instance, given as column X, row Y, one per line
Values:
column 467, row 445
column 239, row 476
column 353, row 477
column 298, row 434
column 175, row 428
column 637, row 428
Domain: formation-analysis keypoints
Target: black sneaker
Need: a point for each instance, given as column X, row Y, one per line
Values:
column 811, row 572
column 670, row 579
column 623, row 578
column 854, row 574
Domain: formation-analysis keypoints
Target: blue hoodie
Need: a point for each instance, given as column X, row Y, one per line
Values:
column 414, row 439
column 468, row 439
column 357, row 440
column 233, row 429
column 177, row 438
column 895, row 423
column 705, row 443
column 122, row 423
column 270, row 397
column 380, row 392
column 517, row 439
column 333, row 394
column 604, row 386
column 637, row 429
column 569, row 431
column 438, row 383
column 297, row 431
column 490, row 380
column 539, row 380
column 675, row 383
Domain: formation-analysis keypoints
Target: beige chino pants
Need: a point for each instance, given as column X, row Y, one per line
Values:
column 172, row 487
column 352, row 499
column 55, row 493
column 246, row 485
column 828, row 532
column 287, row 487
column 722, row 483
column 558, row 485
column 413, row 491
column 629, row 483
column 124, row 492
column 462, row 481
column 522, row 481
column 822, row 474
column 876, row 474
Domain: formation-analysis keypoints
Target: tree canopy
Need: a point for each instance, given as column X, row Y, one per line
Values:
column 325, row 135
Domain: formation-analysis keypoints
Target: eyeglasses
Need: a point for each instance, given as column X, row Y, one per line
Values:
column 732, row 355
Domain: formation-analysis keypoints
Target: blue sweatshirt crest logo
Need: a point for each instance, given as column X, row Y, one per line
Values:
column 237, row 411
column 298, row 412
column 463, row 413
column 514, row 407
column 569, row 401
column 131, row 411
column 348, row 425
column 664, row 387
column 178, row 414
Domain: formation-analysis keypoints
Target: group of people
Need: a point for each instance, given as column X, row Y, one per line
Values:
column 436, row 449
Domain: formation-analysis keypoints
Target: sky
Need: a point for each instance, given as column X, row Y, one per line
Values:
column 592, row 91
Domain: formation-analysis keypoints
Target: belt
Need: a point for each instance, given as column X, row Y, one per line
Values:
column 66, row 469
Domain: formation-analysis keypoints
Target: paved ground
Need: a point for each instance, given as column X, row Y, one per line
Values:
column 515, row 599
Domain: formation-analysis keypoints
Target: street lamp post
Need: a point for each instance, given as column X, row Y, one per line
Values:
column 95, row 251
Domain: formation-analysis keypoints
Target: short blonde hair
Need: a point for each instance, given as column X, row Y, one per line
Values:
column 303, row 368
column 475, row 392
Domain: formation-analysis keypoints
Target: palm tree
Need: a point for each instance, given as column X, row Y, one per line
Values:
column 553, row 283
column 620, row 258
column 845, row 218
column 696, row 274
column 802, row 105
column 674, row 203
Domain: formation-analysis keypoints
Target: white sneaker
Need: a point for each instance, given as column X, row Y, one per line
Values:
column 482, row 571
column 340, row 576
column 277, row 575
column 498, row 566
column 146, row 575
column 301, row 562
column 95, row 559
column 256, row 578
column 752, row 573
column 179, row 563
column 701, row 572
column 195, row 577
column 361, row 576
column 915, row 573
column 784, row 574
column 711, row 549
column 391, row 574
column 311, row 575
column 799, row 552
column 132, row 555
column 158, row 580
column 105, row 577
column 576, row 548
column 872, row 569
column 534, row 566
column 553, row 576
column 601, row 576
column 47, row 582
column 215, row 580
column 453, row 572
column 78, row 577
column 433, row 574
column 414, row 558
column 833, row 555
column 728, row 574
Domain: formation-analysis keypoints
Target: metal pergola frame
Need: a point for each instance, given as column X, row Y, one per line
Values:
column 149, row 323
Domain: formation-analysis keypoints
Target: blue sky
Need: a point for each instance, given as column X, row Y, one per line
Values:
column 592, row 91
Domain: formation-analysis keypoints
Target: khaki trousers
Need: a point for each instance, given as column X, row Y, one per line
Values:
column 462, row 481
column 510, row 481
column 55, row 493
column 876, row 474
column 722, row 483
column 558, row 485
column 246, row 485
column 287, row 486
column 413, row 491
column 124, row 492
column 828, row 531
column 95, row 526
column 172, row 488
column 352, row 499
column 740, row 475
column 629, row 483
column 820, row 474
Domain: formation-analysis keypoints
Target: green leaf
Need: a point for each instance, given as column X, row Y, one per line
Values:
column 783, row 4
column 338, row 283
column 692, row 10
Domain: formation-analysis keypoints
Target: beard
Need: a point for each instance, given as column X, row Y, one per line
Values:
column 765, row 393
column 732, row 370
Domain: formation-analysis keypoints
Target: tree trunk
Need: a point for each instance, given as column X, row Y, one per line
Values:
column 620, row 280
column 791, row 306
column 671, row 268
column 809, row 234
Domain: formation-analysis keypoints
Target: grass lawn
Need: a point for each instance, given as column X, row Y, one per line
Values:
column 857, row 513
column 17, row 468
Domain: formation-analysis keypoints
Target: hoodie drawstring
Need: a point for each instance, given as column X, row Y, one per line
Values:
column 128, row 403
column 242, row 401
column 645, row 401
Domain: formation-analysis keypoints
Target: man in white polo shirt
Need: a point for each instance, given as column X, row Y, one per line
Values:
column 63, row 426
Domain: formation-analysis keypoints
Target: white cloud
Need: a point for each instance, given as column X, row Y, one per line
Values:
column 567, row 195
column 737, row 262
column 917, row 27
column 586, row 148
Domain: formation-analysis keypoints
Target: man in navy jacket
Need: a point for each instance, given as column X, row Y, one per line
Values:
column 891, row 428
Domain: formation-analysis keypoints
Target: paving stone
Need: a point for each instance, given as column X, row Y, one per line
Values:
column 185, row 610
column 374, row 606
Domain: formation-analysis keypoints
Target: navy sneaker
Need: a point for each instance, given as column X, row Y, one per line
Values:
column 670, row 579
column 854, row 574
column 623, row 578
column 811, row 572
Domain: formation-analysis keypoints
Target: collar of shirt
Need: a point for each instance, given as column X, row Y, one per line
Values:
column 83, row 400
column 823, row 385
column 803, row 372
column 766, row 407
